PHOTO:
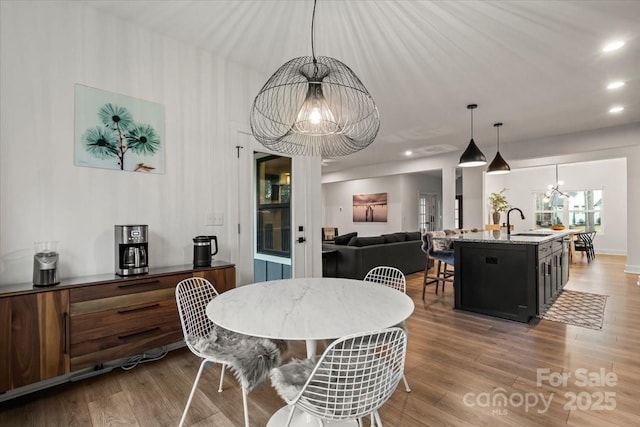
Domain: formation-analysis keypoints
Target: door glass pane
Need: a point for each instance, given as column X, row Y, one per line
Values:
column 274, row 211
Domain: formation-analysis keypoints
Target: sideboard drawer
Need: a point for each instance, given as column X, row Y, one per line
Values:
column 94, row 352
column 120, row 319
column 123, row 320
column 125, row 287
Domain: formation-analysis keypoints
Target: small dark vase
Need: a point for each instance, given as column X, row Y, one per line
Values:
column 496, row 217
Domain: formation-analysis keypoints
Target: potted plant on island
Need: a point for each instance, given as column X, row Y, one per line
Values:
column 499, row 204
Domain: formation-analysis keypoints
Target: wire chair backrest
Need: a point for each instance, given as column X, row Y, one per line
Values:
column 388, row 276
column 192, row 296
column 355, row 375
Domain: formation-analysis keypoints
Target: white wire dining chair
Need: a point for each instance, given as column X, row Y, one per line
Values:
column 352, row 379
column 250, row 358
column 388, row 276
column 393, row 278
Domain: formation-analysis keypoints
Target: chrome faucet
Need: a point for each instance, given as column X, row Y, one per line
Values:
column 508, row 222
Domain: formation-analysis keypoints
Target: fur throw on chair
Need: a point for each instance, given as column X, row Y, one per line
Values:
column 249, row 358
column 289, row 379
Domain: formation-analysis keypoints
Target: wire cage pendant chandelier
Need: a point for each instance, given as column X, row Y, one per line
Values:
column 314, row 106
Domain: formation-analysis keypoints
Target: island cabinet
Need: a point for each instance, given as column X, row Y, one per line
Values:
column 86, row 322
column 509, row 276
column 34, row 332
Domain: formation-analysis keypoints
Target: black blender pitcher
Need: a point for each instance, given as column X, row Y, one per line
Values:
column 203, row 251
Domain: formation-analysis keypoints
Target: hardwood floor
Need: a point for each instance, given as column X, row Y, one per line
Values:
column 457, row 363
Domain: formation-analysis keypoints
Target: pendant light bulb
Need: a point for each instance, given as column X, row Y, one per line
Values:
column 315, row 117
column 472, row 156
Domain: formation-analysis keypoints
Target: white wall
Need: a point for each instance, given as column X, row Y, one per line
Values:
column 47, row 47
column 608, row 175
column 402, row 198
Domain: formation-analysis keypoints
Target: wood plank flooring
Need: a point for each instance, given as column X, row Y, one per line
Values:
column 458, row 366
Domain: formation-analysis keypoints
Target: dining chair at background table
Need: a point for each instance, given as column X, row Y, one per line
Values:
column 392, row 278
column 352, row 379
column 250, row 358
column 584, row 243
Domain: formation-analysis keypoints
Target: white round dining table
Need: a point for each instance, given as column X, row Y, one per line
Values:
column 309, row 309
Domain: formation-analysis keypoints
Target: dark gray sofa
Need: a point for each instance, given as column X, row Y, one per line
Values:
column 361, row 254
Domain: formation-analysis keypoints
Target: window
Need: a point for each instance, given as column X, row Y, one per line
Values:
column 458, row 212
column 582, row 210
column 274, row 211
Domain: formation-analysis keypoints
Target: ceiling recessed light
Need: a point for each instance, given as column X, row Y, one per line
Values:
column 616, row 109
column 615, row 85
column 408, row 153
column 613, row 46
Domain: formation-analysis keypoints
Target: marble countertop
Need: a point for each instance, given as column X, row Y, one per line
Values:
column 533, row 237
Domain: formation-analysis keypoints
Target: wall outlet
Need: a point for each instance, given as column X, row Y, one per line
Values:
column 214, row 218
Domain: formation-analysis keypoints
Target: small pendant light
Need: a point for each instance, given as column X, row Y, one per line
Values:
column 472, row 156
column 498, row 165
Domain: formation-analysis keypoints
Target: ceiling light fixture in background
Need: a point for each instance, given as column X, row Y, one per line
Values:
column 615, row 85
column 554, row 190
column 472, row 156
column 616, row 109
column 314, row 106
column 614, row 45
column 498, row 165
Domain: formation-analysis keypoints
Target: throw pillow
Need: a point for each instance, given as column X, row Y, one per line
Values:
column 344, row 238
column 441, row 245
column 413, row 235
column 402, row 236
column 366, row 241
column 391, row 238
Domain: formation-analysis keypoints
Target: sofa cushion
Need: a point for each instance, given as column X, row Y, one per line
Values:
column 413, row 235
column 394, row 237
column 344, row 238
column 366, row 241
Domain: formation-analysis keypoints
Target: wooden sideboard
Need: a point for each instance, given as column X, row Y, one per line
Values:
column 85, row 322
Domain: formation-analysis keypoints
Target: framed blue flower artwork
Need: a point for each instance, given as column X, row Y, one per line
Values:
column 114, row 131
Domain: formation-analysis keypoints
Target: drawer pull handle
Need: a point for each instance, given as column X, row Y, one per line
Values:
column 131, row 285
column 136, row 334
column 64, row 332
column 131, row 310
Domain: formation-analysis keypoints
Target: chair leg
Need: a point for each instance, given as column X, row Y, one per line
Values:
column 245, row 406
column 193, row 390
column 290, row 417
column 224, row 365
column 406, row 384
column 426, row 280
column 378, row 422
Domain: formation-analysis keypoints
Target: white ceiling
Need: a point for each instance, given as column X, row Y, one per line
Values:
column 536, row 66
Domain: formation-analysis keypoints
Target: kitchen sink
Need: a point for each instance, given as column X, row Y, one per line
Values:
column 533, row 234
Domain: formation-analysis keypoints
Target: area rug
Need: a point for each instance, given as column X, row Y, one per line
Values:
column 577, row 308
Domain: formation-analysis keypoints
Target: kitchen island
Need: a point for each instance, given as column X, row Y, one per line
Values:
column 509, row 276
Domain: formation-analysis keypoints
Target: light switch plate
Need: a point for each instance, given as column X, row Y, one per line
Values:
column 214, row 218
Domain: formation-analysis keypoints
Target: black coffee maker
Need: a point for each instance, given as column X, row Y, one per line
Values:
column 203, row 250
